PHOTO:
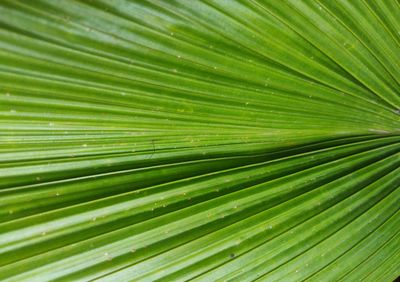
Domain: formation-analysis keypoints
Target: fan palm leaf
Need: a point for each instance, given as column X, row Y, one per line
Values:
column 199, row 140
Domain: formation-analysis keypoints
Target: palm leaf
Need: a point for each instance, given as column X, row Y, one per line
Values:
column 199, row 140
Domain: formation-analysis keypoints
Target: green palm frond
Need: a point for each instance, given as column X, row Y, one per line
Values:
column 199, row 140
